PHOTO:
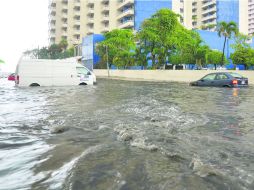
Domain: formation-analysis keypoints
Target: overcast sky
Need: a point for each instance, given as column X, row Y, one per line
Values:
column 23, row 26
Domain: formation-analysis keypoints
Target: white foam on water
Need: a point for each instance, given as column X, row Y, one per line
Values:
column 203, row 170
column 16, row 166
column 140, row 143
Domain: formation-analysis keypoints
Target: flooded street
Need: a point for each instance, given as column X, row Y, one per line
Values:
column 126, row 135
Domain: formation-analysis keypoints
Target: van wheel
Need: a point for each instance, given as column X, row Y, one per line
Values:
column 34, row 84
column 82, row 83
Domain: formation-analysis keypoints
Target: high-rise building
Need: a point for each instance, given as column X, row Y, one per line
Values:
column 76, row 18
column 206, row 14
column 73, row 19
column 250, row 13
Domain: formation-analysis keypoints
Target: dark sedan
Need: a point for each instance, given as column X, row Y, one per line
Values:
column 222, row 79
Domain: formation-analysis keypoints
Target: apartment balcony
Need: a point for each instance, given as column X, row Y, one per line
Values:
column 76, row 23
column 128, row 12
column 126, row 24
column 52, row 9
column 52, row 21
column 65, row 6
column 209, row 24
column 52, row 26
column 105, row 9
column 77, row 4
column 52, row 13
column 209, row 10
column 52, row 30
column 64, row 33
column 64, row 25
column 90, row 3
column 52, row 34
column 76, row 13
column 207, row 4
column 64, row 16
column 90, row 20
column 125, row 3
column 105, row 19
column 105, row 1
column 209, row 18
column 52, row 3
column 76, row 38
column 52, row 41
column 90, row 11
column 52, row 38
column 105, row 29
column 76, row 32
column 90, row 31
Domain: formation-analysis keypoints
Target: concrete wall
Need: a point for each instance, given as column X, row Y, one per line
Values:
column 165, row 75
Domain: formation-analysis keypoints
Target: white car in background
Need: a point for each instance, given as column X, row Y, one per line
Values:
column 47, row 72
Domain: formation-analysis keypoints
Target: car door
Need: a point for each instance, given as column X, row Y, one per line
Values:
column 221, row 80
column 208, row 80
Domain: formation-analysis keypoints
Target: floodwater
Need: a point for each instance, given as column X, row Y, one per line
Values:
column 126, row 135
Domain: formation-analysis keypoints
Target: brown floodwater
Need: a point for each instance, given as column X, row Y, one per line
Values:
column 122, row 135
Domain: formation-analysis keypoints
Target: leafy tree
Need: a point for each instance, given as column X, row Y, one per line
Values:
column 55, row 51
column 214, row 57
column 156, row 33
column 43, row 53
column 241, row 41
column 141, row 56
column 120, row 45
column 149, row 39
column 243, row 53
column 226, row 30
column 243, row 56
column 63, row 44
column 189, row 47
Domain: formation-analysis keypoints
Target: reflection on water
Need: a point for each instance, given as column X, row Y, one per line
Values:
column 126, row 135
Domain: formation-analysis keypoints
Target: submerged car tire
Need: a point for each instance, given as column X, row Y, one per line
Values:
column 227, row 86
column 34, row 84
column 83, row 83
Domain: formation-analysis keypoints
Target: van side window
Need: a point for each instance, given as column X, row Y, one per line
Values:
column 82, row 70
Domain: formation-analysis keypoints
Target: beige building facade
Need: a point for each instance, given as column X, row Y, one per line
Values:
column 205, row 14
column 74, row 19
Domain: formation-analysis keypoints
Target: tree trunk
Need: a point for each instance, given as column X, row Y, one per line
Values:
column 223, row 53
column 153, row 61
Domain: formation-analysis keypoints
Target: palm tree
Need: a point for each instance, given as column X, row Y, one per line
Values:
column 227, row 30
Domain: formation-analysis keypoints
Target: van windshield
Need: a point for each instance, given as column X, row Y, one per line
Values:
column 82, row 70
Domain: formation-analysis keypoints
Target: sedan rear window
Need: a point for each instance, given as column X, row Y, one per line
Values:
column 236, row 75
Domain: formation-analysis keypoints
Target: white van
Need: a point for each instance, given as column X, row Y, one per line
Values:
column 47, row 72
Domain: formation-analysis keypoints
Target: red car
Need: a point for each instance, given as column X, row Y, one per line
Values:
column 11, row 77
